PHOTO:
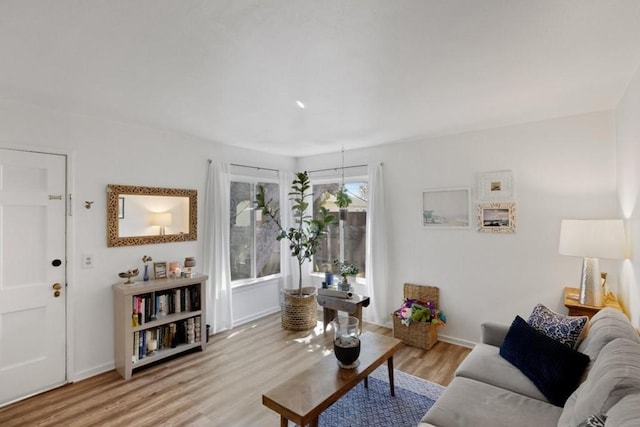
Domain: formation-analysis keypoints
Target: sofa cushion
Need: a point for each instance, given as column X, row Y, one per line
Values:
column 565, row 329
column 625, row 413
column 605, row 326
column 615, row 374
column 485, row 364
column 553, row 367
column 466, row 402
column 493, row 333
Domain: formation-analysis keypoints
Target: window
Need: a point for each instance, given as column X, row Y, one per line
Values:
column 347, row 239
column 254, row 250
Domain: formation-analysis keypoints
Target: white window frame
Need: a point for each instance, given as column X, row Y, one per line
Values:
column 255, row 280
column 332, row 180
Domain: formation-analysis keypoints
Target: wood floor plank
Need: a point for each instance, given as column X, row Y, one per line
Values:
column 221, row 386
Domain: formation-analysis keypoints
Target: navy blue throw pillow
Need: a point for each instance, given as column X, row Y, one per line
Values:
column 552, row 366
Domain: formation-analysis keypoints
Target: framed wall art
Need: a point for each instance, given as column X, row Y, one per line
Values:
column 497, row 186
column 497, row 217
column 446, row 208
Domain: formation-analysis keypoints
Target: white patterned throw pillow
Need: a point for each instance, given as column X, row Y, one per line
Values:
column 596, row 420
column 565, row 329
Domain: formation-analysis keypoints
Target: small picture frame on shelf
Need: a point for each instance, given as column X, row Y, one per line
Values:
column 160, row 270
column 497, row 217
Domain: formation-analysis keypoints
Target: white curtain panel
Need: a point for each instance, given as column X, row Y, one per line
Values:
column 216, row 247
column 376, row 263
column 289, row 263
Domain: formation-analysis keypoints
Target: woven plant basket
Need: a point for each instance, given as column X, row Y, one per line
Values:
column 418, row 334
column 299, row 312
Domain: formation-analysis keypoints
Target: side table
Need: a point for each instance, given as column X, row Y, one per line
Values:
column 571, row 296
column 331, row 306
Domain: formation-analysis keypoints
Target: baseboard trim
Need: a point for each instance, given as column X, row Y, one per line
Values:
column 88, row 373
column 456, row 341
column 256, row 316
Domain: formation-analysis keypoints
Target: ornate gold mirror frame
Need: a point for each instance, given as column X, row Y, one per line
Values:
column 115, row 211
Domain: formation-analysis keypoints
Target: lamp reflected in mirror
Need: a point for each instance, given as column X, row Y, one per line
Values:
column 161, row 220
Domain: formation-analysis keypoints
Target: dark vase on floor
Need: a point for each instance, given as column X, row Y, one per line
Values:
column 146, row 273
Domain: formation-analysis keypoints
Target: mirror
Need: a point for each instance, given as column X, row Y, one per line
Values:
column 146, row 215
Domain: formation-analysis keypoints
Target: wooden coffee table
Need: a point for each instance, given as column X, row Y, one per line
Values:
column 303, row 397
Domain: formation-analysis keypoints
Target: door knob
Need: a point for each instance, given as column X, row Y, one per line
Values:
column 57, row 286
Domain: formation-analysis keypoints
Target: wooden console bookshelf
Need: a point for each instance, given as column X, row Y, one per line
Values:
column 169, row 311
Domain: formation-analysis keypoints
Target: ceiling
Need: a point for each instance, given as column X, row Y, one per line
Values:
column 368, row 71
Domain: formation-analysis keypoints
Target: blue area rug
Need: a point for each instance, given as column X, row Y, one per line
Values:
column 375, row 407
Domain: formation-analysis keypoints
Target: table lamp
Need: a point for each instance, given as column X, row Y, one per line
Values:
column 591, row 240
column 161, row 219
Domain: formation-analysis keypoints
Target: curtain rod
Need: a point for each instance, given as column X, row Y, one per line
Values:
column 337, row 168
column 313, row 171
column 254, row 167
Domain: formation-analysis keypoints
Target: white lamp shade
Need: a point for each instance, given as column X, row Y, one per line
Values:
column 601, row 238
column 160, row 218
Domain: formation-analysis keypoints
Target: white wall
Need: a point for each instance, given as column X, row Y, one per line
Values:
column 562, row 168
column 109, row 152
column 628, row 169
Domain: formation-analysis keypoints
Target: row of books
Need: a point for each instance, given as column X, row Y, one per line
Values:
column 154, row 305
column 145, row 343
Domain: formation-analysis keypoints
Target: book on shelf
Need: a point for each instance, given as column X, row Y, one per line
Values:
column 136, row 346
column 142, row 349
column 191, row 331
column 197, row 329
column 139, row 309
column 178, row 300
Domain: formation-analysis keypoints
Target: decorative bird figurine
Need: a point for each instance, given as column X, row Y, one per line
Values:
column 129, row 274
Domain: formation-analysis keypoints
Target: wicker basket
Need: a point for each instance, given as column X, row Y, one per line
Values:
column 418, row 334
column 299, row 313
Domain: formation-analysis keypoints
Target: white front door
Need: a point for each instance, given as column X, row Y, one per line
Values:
column 32, row 264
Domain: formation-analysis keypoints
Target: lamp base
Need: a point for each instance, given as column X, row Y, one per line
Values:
column 591, row 283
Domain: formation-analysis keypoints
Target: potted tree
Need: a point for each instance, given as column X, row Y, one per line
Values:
column 299, row 309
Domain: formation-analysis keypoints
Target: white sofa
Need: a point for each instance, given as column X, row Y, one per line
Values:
column 489, row 391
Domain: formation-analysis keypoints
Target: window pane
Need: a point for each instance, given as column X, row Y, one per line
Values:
column 355, row 239
column 324, row 195
column 353, row 228
column 241, row 246
column 267, row 247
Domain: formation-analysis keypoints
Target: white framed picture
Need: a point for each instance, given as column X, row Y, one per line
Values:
column 496, row 185
column 446, row 208
column 497, row 217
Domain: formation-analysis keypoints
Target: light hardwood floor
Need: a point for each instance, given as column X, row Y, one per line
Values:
column 221, row 386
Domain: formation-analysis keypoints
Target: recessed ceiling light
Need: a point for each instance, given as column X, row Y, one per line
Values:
column 300, row 104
